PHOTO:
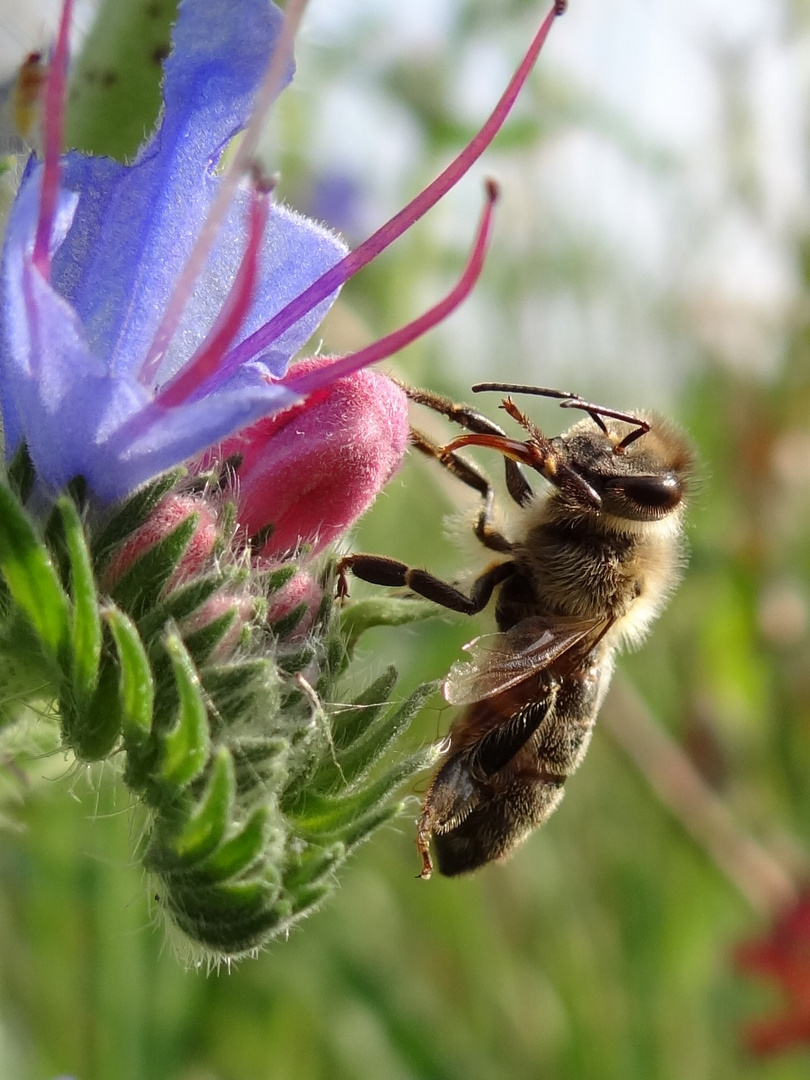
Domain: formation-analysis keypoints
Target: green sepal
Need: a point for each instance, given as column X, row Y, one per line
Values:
column 319, row 816
column 260, row 762
column 86, row 635
column 283, row 627
column 234, row 934
column 362, row 829
column 93, row 730
column 309, row 898
column 202, row 643
column 293, row 662
column 275, row 579
column 344, row 769
column 352, row 721
column 221, row 903
column 241, row 852
column 313, row 865
column 186, row 599
column 21, row 474
column 138, row 590
column 32, row 581
column 362, row 615
column 201, row 831
column 183, row 750
column 131, row 515
column 136, row 690
column 242, row 686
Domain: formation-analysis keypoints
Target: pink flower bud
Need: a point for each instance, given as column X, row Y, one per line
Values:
column 166, row 516
column 223, row 603
column 301, row 589
column 313, row 470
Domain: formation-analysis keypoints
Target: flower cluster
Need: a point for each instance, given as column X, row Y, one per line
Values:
column 174, row 481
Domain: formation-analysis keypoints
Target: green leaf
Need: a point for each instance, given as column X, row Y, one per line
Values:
column 184, row 749
column 31, row 578
column 86, row 628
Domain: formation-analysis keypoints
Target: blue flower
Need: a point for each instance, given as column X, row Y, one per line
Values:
column 75, row 383
column 91, row 380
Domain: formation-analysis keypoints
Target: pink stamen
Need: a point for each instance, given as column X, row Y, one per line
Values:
column 240, row 164
column 206, row 359
column 328, row 282
column 53, row 133
column 392, row 343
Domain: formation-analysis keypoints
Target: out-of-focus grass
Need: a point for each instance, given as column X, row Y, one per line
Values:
column 603, row 949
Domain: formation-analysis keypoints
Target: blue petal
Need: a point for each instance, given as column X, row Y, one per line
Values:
column 88, row 422
column 180, row 433
column 71, row 349
column 295, row 252
column 137, row 224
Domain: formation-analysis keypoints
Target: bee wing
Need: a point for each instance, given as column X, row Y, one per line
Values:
column 500, row 661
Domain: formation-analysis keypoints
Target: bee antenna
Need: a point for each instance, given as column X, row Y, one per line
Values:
column 573, row 401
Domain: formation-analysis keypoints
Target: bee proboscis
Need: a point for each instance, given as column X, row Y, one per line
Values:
column 588, row 568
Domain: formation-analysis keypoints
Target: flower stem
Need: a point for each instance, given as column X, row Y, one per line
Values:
column 762, row 880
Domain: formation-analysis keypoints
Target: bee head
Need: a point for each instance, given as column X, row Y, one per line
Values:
column 637, row 471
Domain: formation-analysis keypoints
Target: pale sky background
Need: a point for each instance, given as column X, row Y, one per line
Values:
column 726, row 258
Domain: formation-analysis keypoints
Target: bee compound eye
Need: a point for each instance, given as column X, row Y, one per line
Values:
column 655, row 494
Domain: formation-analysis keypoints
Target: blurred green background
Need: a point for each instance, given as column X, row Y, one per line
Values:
column 651, row 249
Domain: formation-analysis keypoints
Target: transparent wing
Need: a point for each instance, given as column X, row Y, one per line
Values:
column 500, row 661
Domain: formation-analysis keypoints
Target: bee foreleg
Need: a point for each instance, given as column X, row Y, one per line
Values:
column 516, row 483
column 486, row 532
column 379, row 570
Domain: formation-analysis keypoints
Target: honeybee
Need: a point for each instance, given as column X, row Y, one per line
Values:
column 592, row 563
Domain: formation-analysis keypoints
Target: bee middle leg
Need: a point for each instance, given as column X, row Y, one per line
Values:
column 379, row 570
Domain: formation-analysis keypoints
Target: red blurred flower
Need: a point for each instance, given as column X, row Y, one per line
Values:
column 784, row 957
